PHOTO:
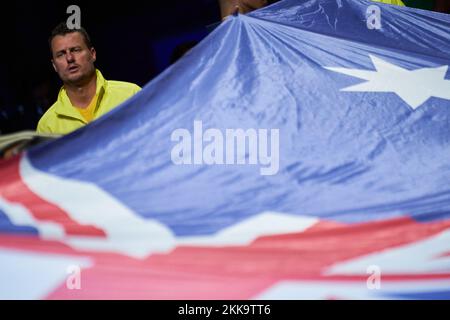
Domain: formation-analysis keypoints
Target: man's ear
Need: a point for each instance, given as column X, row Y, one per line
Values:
column 94, row 54
column 54, row 67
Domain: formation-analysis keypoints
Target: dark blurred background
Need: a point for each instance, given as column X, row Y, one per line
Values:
column 135, row 41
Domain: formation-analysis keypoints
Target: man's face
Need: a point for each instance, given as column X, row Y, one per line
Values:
column 72, row 59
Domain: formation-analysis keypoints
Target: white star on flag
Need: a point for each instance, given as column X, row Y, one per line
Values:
column 413, row 86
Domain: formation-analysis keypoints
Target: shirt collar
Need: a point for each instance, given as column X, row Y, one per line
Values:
column 65, row 107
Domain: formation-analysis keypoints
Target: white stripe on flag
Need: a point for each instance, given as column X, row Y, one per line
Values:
column 26, row 275
column 87, row 204
column 20, row 216
column 129, row 233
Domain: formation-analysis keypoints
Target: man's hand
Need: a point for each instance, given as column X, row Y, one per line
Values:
column 228, row 7
column 250, row 5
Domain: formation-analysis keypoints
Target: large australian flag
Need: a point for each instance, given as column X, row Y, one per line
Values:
column 300, row 151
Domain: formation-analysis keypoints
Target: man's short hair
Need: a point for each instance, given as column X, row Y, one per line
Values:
column 62, row 29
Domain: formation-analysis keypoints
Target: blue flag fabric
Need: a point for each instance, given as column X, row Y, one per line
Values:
column 350, row 156
column 347, row 103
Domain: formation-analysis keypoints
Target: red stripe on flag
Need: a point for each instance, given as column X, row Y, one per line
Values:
column 13, row 189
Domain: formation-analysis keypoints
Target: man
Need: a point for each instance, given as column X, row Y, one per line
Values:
column 85, row 95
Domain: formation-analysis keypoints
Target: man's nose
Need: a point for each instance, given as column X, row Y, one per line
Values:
column 70, row 57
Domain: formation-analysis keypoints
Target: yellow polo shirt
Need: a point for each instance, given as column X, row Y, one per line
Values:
column 396, row 2
column 62, row 117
